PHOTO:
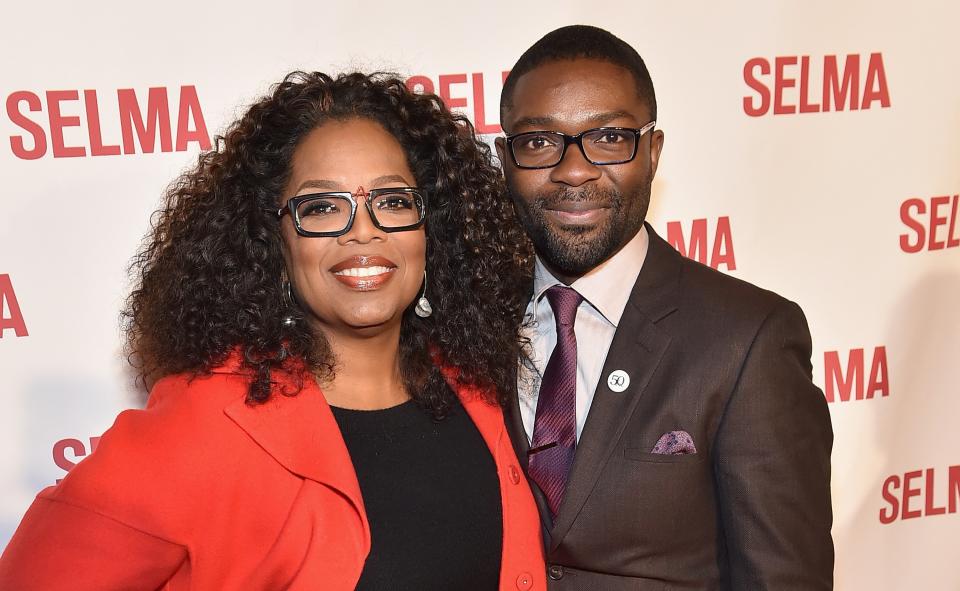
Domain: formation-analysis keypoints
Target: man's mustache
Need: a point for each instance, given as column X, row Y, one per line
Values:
column 598, row 197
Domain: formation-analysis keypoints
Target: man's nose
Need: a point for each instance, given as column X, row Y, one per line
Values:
column 574, row 169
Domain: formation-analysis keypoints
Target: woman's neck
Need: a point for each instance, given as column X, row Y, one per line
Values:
column 367, row 372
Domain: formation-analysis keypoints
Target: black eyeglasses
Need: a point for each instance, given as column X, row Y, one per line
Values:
column 602, row 145
column 395, row 209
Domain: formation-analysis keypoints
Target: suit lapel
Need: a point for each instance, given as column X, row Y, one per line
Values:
column 637, row 348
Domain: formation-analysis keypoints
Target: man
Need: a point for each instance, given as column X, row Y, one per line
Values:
column 666, row 411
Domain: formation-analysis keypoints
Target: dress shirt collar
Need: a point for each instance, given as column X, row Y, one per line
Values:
column 597, row 286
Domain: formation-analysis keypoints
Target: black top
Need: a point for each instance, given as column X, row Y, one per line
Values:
column 432, row 498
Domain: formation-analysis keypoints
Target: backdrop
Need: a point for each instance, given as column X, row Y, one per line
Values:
column 811, row 148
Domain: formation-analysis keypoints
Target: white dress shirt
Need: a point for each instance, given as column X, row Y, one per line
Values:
column 605, row 290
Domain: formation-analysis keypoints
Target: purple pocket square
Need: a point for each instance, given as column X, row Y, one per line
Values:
column 675, row 443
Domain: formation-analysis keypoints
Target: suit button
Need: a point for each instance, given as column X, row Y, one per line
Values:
column 514, row 475
column 524, row 582
column 555, row 571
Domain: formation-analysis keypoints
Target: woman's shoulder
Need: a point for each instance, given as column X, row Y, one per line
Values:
column 155, row 461
column 189, row 393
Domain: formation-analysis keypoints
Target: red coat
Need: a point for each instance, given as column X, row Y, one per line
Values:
column 204, row 492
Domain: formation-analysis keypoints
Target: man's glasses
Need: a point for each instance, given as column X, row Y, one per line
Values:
column 332, row 214
column 603, row 145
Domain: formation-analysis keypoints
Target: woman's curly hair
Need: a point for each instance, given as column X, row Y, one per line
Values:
column 208, row 280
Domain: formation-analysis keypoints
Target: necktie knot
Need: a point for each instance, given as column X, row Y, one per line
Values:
column 564, row 301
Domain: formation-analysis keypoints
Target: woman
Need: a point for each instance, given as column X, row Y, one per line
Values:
column 301, row 291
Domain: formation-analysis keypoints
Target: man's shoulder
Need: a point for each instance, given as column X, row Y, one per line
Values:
column 710, row 286
column 698, row 288
column 715, row 301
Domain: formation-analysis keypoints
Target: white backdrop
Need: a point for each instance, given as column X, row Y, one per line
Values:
column 853, row 213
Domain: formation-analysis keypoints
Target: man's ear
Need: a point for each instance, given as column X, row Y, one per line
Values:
column 501, row 145
column 656, row 146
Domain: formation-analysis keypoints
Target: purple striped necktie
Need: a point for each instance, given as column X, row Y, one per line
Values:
column 555, row 426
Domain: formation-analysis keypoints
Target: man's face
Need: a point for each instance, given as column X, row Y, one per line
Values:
column 580, row 214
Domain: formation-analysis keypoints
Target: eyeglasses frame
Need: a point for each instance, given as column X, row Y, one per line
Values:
column 578, row 140
column 294, row 203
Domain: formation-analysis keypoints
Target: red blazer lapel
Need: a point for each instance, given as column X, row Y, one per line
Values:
column 301, row 434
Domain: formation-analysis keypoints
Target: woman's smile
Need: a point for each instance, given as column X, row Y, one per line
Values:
column 363, row 272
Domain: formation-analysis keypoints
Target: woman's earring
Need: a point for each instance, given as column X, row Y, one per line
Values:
column 288, row 302
column 423, row 308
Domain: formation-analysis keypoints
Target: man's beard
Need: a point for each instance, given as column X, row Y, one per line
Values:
column 575, row 250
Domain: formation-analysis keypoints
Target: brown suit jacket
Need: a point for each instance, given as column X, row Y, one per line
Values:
column 729, row 363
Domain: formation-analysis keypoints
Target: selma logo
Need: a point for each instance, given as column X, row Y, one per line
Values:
column 915, row 494
column 851, row 382
column 933, row 224
column 141, row 125
column 10, row 316
column 710, row 248
column 856, row 82
column 77, row 452
column 454, row 90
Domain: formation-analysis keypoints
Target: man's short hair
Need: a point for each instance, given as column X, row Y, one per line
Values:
column 579, row 42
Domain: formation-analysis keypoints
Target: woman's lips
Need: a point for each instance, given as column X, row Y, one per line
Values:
column 364, row 273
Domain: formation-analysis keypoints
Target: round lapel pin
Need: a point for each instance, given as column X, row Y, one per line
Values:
column 618, row 380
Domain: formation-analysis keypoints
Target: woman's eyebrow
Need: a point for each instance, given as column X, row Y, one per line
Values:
column 388, row 178
column 319, row 184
